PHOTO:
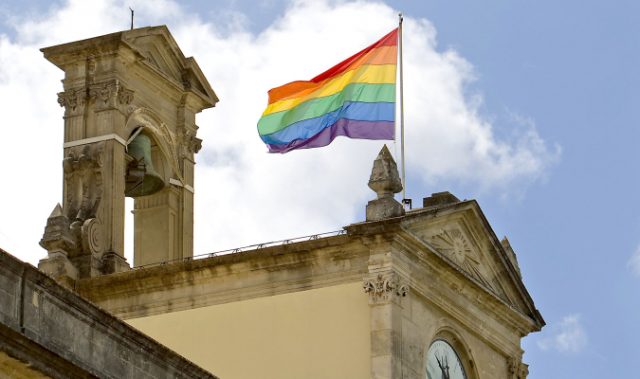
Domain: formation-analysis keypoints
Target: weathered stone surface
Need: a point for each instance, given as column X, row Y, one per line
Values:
column 117, row 85
column 59, row 267
column 385, row 182
column 439, row 198
column 50, row 330
column 416, row 290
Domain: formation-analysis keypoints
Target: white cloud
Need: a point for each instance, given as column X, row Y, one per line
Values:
column 243, row 194
column 634, row 262
column 568, row 336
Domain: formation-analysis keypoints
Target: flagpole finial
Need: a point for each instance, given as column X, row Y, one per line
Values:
column 400, row 18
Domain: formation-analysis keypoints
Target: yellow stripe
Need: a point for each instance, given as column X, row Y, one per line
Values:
column 373, row 74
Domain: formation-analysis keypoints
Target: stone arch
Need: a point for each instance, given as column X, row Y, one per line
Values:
column 453, row 338
column 161, row 134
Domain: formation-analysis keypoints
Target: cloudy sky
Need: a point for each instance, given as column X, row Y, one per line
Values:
column 528, row 107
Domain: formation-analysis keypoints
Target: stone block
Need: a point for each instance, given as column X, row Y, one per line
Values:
column 58, row 266
column 381, row 209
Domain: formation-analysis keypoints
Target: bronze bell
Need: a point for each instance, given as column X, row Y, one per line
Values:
column 141, row 179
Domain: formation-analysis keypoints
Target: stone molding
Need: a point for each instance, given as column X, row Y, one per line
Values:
column 335, row 260
column 109, row 94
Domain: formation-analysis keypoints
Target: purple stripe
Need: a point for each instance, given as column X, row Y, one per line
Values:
column 343, row 127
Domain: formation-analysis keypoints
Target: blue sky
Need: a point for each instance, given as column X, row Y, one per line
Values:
column 528, row 107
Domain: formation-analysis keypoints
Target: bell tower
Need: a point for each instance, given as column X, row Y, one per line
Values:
column 130, row 100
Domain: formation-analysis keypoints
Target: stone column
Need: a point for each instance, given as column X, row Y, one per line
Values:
column 93, row 187
column 386, row 292
column 156, row 227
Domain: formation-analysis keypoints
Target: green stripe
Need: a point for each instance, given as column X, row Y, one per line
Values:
column 362, row 92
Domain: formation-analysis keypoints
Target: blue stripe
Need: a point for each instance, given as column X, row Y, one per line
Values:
column 350, row 110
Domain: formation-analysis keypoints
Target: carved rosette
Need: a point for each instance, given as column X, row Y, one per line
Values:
column 383, row 288
column 110, row 95
column 454, row 245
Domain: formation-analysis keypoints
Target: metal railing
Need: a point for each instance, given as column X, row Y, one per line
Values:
column 248, row 248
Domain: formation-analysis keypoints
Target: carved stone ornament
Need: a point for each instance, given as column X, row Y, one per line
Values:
column 91, row 235
column 385, row 182
column 57, row 236
column 517, row 369
column 191, row 143
column 125, row 96
column 75, row 229
column 110, row 94
column 455, row 246
column 83, row 181
column 382, row 288
column 73, row 101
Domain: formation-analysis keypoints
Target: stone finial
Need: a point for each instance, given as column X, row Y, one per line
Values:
column 59, row 242
column 385, row 182
column 506, row 245
column 56, row 234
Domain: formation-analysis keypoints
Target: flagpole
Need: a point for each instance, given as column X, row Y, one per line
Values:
column 404, row 183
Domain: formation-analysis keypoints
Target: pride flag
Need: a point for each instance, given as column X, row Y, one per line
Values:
column 355, row 98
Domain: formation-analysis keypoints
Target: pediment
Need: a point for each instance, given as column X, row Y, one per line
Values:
column 461, row 237
column 159, row 56
column 160, row 51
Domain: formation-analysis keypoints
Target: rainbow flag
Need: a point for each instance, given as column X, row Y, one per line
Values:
column 355, row 98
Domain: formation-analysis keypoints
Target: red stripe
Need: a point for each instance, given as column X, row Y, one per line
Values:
column 390, row 39
column 294, row 88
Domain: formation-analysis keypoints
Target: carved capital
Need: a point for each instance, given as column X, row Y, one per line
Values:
column 517, row 369
column 125, row 96
column 191, row 143
column 73, row 101
column 110, row 95
column 384, row 288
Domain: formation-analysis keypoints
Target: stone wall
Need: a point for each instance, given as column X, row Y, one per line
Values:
column 52, row 330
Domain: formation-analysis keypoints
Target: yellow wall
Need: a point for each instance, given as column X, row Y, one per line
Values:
column 320, row 333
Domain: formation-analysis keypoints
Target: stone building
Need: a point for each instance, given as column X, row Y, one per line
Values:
column 422, row 293
column 48, row 331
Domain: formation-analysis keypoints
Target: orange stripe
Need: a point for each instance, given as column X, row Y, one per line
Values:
column 377, row 56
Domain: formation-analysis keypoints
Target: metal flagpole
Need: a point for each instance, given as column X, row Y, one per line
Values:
column 404, row 183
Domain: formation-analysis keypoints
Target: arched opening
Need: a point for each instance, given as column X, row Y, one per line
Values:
column 448, row 356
